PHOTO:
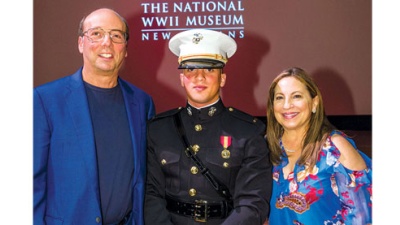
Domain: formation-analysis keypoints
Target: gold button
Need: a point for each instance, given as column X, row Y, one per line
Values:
column 196, row 148
column 163, row 162
column 194, row 170
column 231, row 109
column 192, row 192
column 226, row 165
column 198, row 127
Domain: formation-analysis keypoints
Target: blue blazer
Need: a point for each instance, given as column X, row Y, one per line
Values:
column 66, row 187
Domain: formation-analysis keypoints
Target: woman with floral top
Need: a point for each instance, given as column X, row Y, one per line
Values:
column 319, row 175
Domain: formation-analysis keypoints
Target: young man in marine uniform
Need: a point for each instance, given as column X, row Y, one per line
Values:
column 225, row 147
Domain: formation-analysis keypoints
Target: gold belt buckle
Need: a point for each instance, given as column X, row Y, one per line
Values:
column 198, row 217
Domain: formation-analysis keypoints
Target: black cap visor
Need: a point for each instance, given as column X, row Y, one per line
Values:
column 201, row 64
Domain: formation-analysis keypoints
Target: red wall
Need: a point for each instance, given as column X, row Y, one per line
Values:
column 330, row 39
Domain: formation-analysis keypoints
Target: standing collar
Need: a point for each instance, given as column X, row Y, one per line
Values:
column 206, row 112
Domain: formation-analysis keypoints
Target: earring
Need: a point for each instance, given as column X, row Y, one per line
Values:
column 314, row 110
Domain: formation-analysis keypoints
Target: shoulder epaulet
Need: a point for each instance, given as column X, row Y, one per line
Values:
column 166, row 113
column 244, row 116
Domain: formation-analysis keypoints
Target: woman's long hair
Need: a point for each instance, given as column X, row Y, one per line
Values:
column 318, row 129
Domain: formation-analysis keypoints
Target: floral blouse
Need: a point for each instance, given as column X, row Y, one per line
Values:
column 329, row 195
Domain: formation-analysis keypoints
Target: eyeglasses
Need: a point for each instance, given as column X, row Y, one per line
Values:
column 98, row 34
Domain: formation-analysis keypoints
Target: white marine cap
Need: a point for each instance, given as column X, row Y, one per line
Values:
column 202, row 48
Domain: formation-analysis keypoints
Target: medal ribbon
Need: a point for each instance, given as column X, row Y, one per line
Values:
column 225, row 141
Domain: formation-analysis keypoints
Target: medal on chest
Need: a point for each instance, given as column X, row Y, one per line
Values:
column 225, row 142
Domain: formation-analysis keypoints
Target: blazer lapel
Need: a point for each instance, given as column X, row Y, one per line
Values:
column 134, row 118
column 79, row 109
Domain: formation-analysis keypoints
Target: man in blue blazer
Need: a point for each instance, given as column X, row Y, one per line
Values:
column 90, row 134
